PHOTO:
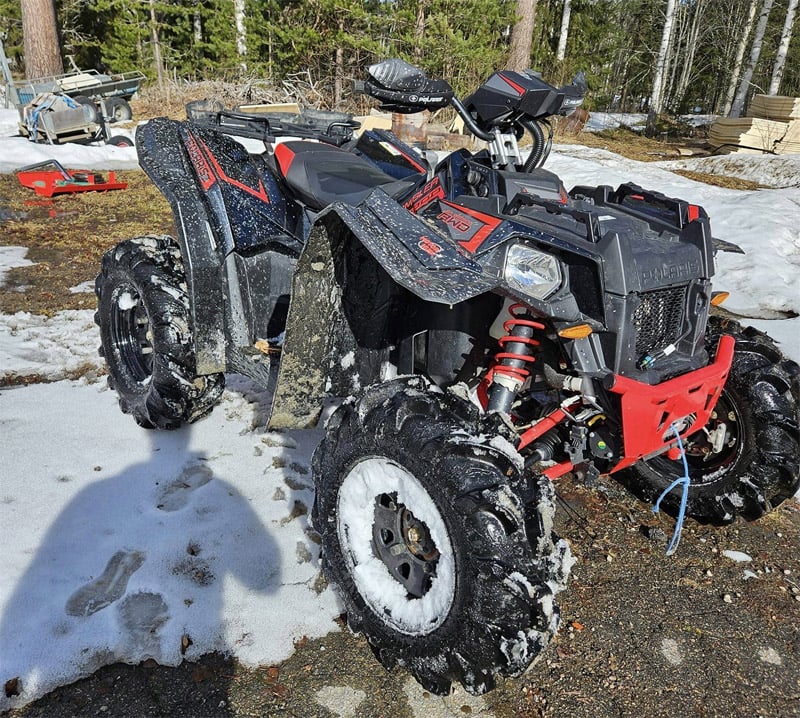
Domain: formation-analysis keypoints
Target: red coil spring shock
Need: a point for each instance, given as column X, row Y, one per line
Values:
column 509, row 370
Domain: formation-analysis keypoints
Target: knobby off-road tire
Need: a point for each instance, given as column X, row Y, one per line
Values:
column 146, row 335
column 759, row 465
column 424, row 533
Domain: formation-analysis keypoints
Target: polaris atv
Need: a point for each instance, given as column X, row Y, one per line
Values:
column 488, row 330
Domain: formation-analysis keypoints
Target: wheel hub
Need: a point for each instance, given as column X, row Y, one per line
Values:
column 711, row 451
column 131, row 333
column 404, row 544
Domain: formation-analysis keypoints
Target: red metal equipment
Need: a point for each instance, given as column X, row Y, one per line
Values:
column 49, row 178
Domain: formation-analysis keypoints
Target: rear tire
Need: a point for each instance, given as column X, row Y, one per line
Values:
column 146, row 335
column 426, row 537
column 758, row 464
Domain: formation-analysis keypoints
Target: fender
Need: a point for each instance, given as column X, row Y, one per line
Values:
column 162, row 157
column 416, row 255
column 339, row 332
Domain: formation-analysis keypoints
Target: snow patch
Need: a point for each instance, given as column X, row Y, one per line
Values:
column 86, row 287
column 11, row 257
column 771, row 656
column 671, row 651
column 125, row 301
column 342, row 701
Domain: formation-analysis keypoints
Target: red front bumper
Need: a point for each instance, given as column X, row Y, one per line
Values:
column 649, row 411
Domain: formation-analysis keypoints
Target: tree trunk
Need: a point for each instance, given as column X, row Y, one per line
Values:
column 656, row 96
column 522, row 36
column 40, row 36
column 755, row 52
column 737, row 65
column 691, row 49
column 156, row 45
column 338, row 78
column 419, row 32
column 241, row 31
column 676, row 49
column 783, row 49
column 562, row 38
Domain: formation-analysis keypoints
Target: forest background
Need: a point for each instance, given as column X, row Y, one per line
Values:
column 698, row 52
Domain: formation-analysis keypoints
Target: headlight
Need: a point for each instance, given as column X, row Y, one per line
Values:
column 534, row 273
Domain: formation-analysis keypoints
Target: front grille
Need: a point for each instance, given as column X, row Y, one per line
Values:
column 658, row 319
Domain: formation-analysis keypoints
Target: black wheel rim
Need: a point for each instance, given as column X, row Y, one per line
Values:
column 709, row 463
column 404, row 544
column 130, row 333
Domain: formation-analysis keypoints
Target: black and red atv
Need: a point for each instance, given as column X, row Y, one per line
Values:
column 488, row 330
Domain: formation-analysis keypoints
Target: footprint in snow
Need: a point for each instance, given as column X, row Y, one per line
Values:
column 142, row 615
column 108, row 587
column 176, row 495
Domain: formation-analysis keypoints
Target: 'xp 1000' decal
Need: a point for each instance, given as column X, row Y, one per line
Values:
column 432, row 191
column 466, row 226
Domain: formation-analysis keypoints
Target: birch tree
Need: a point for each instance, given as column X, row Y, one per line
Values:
column 40, row 37
column 783, row 49
column 241, row 32
column 156, row 41
column 562, row 37
column 522, row 36
column 737, row 64
column 755, row 52
column 690, row 50
column 656, row 96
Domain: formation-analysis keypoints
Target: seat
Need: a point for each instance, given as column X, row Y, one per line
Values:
column 321, row 174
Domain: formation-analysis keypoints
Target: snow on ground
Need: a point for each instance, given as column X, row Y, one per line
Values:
column 599, row 121
column 767, row 170
column 118, row 542
column 11, row 257
column 16, row 152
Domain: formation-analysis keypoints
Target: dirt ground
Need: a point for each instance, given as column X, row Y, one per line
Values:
column 696, row 634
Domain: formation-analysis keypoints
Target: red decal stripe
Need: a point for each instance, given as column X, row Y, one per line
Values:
column 261, row 193
column 513, row 85
column 489, row 225
column 285, row 157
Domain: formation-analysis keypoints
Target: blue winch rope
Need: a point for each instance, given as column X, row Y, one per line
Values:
column 685, row 481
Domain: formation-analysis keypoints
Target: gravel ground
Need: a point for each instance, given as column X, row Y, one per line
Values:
column 696, row 634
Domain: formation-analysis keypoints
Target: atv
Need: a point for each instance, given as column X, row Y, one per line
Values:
column 487, row 331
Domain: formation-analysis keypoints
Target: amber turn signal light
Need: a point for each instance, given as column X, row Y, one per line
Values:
column 579, row 331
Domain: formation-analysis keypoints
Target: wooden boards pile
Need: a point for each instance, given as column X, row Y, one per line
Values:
column 775, row 107
column 773, row 126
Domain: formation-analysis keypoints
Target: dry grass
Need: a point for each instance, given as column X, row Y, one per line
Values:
column 66, row 236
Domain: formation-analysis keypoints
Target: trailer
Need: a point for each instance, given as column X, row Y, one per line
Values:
column 84, row 86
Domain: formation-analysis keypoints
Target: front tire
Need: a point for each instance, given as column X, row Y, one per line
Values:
column 746, row 460
column 146, row 335
column 427, row 539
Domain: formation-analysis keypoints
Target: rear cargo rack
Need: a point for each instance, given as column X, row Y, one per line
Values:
column 334, row 128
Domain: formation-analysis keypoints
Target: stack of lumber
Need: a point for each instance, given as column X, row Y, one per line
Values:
column 773, row 126
column 775, row 107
